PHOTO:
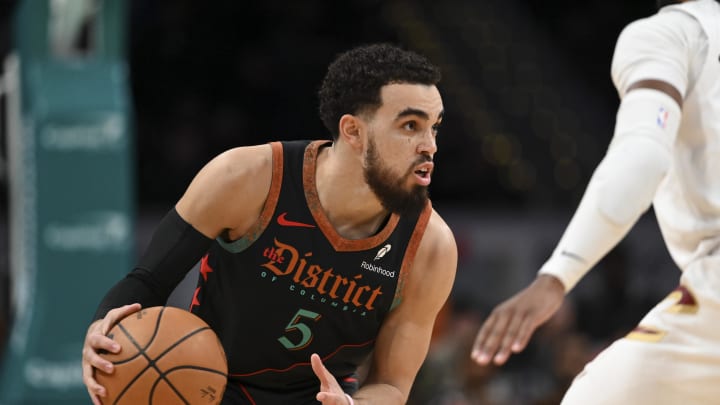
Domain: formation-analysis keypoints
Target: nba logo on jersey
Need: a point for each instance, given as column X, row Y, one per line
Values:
column 383, row 250
column 662, row 117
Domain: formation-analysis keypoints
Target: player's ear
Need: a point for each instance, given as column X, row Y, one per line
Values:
column 350, row 130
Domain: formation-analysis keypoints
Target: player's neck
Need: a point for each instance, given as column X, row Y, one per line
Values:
column 348, row 202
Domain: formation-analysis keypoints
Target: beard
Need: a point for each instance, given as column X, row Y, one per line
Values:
column 391, row 191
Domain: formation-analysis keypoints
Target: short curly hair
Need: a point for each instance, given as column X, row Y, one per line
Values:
column 353, row 81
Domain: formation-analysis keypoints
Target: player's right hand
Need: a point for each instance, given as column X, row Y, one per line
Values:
column 511, row 324
column 330, row 390
column 96, row 340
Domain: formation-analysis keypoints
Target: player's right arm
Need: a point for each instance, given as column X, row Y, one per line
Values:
column 650, row 71
column 224, row 199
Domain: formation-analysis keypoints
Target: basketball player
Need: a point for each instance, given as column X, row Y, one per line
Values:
column 314, row 254
column 665, row 151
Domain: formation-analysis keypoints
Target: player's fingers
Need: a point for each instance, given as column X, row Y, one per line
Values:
column 95, row 361
column 479, row 353
column 102, row 342
column 115, row 315
column 95, row 343
column 97, row 340
column 320, row 371
column 488, row 338
column 484, row 331
column 327, row 398
column 94, row 389
column 94, row 398
column 508, row 338
column 523, row 335
column 333, row 398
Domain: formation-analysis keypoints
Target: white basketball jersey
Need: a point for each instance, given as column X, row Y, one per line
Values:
column 687, row 203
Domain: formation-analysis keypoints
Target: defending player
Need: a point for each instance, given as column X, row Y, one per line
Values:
column 665, row 151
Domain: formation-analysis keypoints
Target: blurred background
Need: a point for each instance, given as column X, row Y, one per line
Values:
column 110, row 107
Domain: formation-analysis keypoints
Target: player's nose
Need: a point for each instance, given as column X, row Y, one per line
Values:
column 428, row 144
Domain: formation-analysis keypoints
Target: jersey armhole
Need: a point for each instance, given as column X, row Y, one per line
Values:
column 268, row 210
column 410, row 253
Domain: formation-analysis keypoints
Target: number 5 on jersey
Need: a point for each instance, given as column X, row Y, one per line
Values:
column 295, row 324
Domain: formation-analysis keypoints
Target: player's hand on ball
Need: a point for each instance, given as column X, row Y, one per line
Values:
column 330, row 391
column 511, row 324
column 96, row 340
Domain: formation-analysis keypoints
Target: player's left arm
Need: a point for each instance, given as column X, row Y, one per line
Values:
column 651, row 71
column 404, row 338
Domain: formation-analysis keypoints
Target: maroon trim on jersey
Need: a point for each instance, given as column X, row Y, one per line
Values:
column 257, row 228
column 339, row 243
column 304, row 363
column 411, row 250
column 247, row 394
column 274, row 193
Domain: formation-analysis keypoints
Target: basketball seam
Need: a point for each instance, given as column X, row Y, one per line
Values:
column 166, row 373
column 141, row 352
column 152, row 362
column 163, row 374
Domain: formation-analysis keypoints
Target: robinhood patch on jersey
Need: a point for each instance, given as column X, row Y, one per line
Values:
column 377, row 269
column 382, row 252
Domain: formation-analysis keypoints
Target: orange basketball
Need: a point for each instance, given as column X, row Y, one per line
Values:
column 168, row 356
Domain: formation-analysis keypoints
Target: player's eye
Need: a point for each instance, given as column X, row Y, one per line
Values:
column 435, row 129
column 410, row 126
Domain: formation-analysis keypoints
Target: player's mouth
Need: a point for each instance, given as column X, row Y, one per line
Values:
column 423, row 173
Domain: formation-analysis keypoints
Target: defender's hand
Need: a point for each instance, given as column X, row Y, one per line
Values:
column 511, row 324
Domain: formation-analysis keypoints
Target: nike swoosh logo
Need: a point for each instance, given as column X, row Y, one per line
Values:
column 572, row 256
column 282, row 221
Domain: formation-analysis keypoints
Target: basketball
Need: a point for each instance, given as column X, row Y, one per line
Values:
column 168, row 356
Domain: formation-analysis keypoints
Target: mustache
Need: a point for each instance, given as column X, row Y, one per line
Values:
column 422, row 159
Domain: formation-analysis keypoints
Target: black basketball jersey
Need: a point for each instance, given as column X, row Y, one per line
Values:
column 292, row 286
